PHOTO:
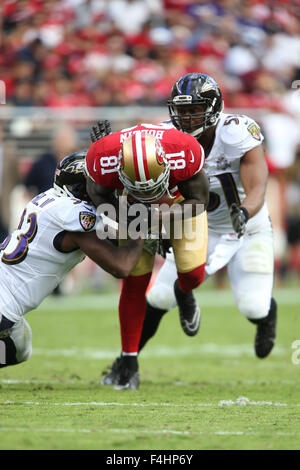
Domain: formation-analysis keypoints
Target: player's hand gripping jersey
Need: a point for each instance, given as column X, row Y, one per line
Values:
column 235, row 135
column 184, row 153
column 32, row 264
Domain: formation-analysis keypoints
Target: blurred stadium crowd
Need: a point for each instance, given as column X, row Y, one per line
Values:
column 66, row 53
column 118, row 52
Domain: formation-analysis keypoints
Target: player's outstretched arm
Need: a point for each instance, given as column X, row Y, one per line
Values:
column 118, row 261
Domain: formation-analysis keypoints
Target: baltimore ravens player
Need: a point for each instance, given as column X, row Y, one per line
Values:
column 154, row 164
column 57, row 229
column 239, row 227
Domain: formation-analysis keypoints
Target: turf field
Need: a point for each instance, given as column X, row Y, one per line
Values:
column 188, row 397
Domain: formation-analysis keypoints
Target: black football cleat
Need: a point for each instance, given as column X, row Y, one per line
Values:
column 129, row 376
column 128, row 381
column 112, row 377
column 189, row 311
column 266, row 332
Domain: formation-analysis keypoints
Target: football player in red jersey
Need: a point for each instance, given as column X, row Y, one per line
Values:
column 153, row 164
column 239, row 227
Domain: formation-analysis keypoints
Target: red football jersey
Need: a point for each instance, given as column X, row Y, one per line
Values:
column 185, row 154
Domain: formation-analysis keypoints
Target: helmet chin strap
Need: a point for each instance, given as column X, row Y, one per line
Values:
column 169, row 194
column 59, row 191
column 63, row 191
column 197, row 132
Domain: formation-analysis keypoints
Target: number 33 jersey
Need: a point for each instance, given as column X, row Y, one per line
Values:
column 235, row 135
column 184, row 153
column 32, row 264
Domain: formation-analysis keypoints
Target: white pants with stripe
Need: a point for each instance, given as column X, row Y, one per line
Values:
column 249, row 262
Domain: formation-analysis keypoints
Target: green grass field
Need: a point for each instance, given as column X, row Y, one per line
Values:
column 189, row 386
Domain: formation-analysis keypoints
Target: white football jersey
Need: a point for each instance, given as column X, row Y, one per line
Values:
column 31, row 264
column 235, row 135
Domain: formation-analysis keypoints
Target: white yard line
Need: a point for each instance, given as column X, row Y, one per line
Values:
column 225, row 350
column 142, row 431
column 145, row 405
column 96, row 403
column 41, row 381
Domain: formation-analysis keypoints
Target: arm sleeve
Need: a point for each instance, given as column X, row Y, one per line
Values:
column 197, row 152
column 91, row 163
column 80, row 218
column 194, row 159
column 102, row 161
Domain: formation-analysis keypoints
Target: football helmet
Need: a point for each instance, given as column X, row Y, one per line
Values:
column 144, row 169
column 70, row 176
column 195, row 104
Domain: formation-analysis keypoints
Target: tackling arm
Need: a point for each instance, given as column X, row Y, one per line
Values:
column 118, row 261
column 254, row 175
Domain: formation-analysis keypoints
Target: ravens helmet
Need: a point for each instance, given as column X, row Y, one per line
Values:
column 195, row 104
column 70, row 176
column 144, row 169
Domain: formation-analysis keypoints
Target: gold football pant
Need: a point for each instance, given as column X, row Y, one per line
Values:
column 189, row 250
column 190, row 257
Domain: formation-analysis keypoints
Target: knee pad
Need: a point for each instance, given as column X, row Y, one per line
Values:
column 253, row 308
column 21, row 335
column 161, row 296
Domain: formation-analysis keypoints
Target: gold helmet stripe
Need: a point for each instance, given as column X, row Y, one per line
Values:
column 140, row 156
column 144, row 139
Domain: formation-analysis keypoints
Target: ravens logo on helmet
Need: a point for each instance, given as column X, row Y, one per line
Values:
column 70, row 176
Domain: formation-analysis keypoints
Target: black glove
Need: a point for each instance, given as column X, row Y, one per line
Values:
column 164, row 247
column 101, row 129
column 239, row 217
column 150, row 246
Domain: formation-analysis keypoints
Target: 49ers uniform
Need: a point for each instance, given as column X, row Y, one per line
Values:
column 185, row 155
column 186, row 159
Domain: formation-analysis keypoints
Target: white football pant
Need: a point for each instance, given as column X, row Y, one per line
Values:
column 21, row 336
column 249, row 262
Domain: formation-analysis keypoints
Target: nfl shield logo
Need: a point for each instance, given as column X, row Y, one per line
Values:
column 87, row 220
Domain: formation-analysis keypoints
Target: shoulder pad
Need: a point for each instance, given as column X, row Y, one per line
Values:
column 240, row 133
column 80, row 217
column 234, row 129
